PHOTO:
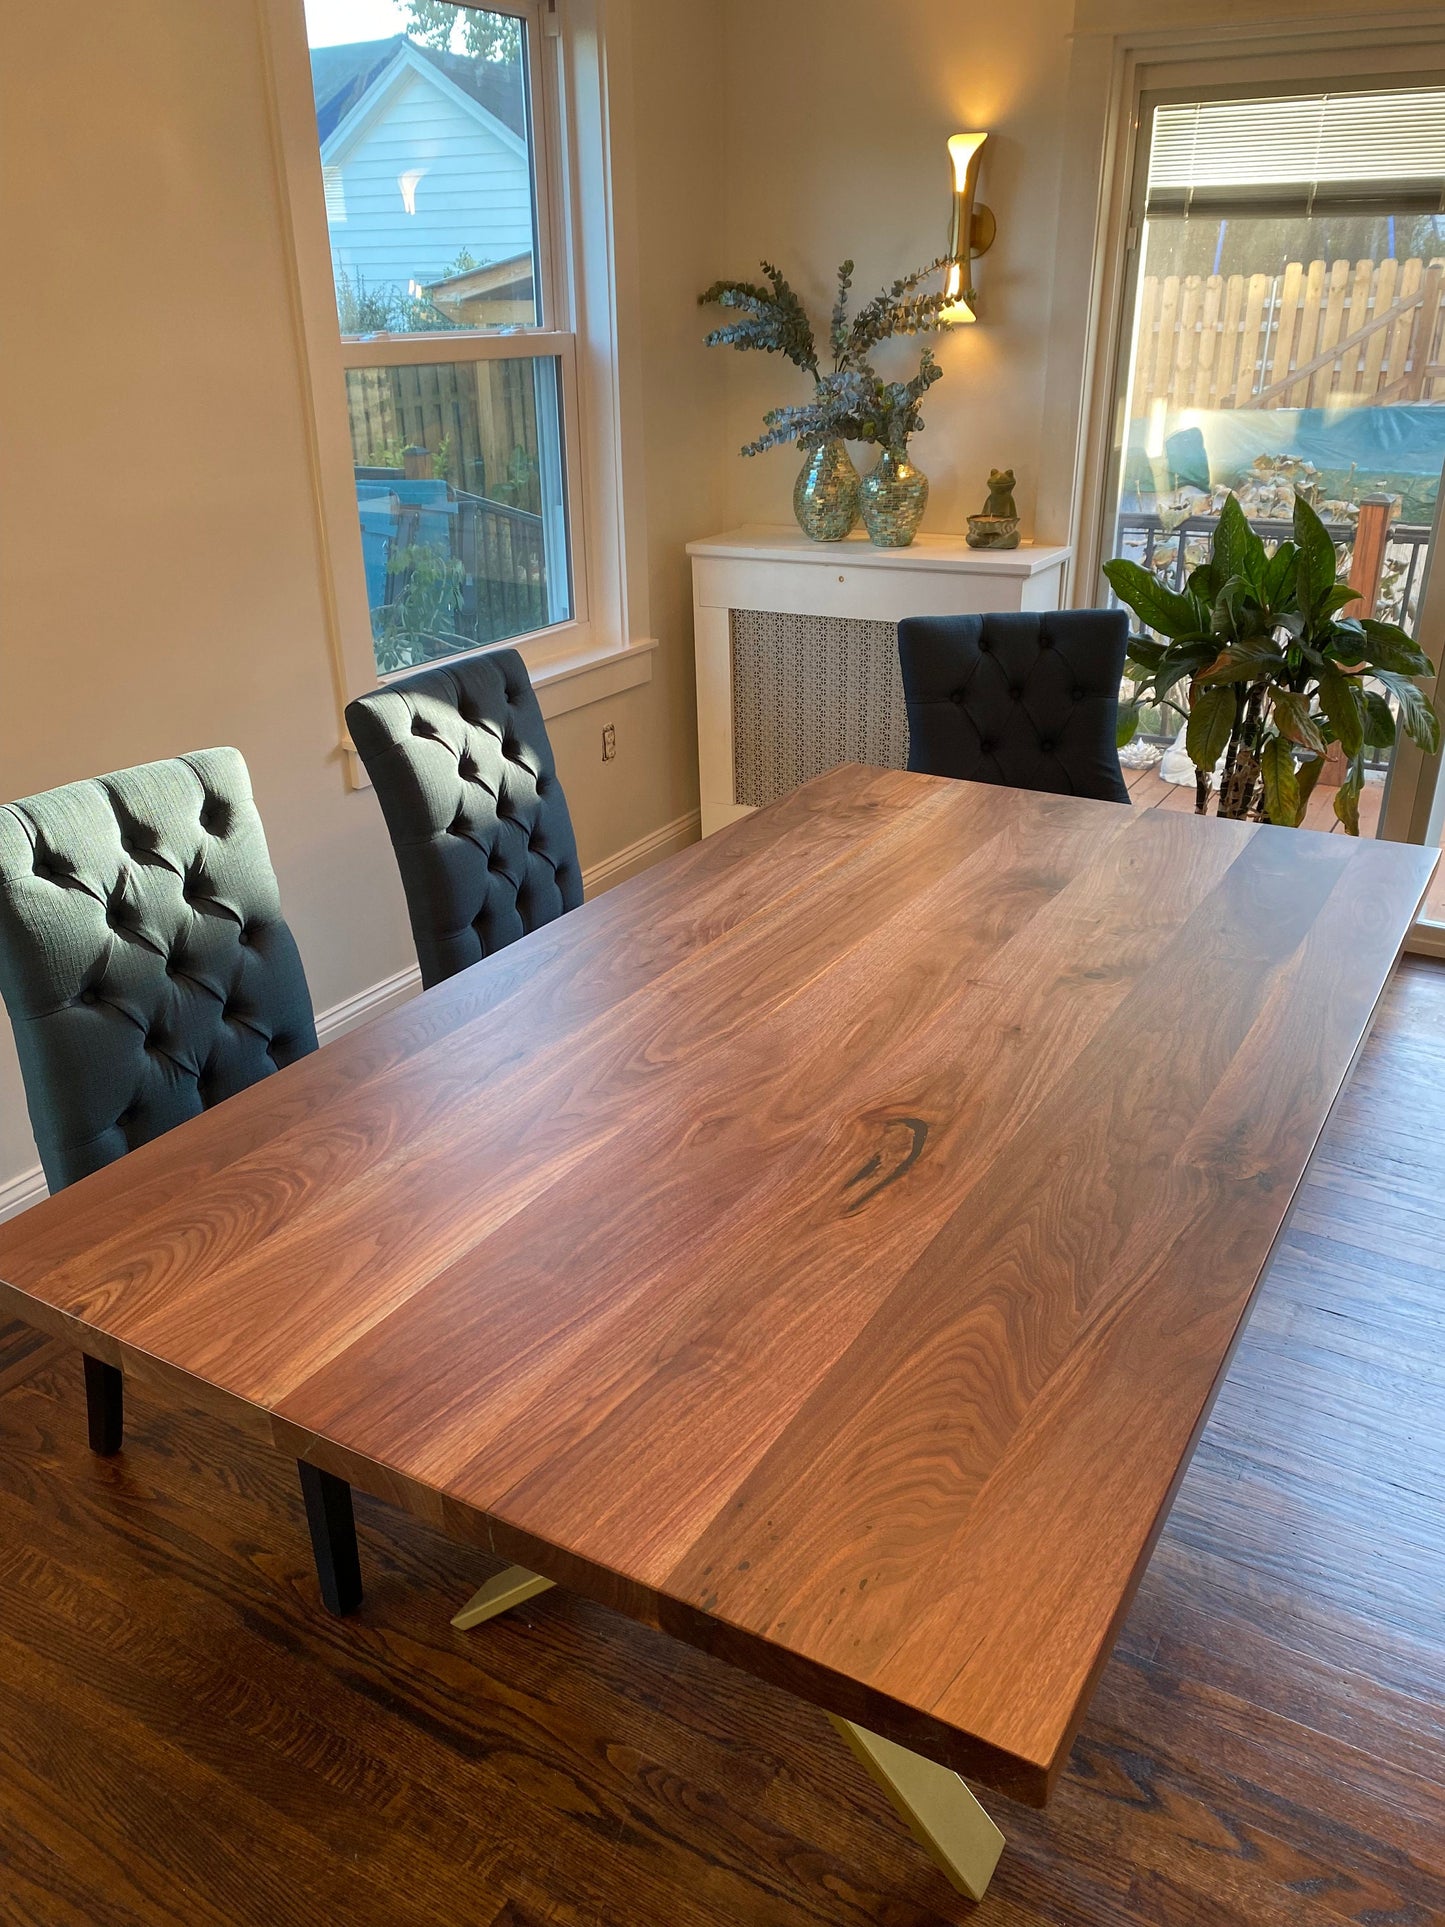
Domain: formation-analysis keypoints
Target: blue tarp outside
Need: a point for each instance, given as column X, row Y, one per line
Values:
column 1398, row 448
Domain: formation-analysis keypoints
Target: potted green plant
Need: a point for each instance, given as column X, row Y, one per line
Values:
column 1273, row 672
column 845, row 397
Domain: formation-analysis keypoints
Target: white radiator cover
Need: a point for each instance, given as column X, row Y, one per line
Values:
column 797, row 656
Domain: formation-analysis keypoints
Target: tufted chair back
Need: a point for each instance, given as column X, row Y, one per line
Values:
column 1027, row 700
column 464, row 774
column 143, row 959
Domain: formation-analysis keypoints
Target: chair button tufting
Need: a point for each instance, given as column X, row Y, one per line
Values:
column 243, row 936
column 1047, row 746
column 1078, row 695
column 87, row 996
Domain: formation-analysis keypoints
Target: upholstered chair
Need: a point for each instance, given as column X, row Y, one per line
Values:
column 463, row 770
column 1027, row 700
column 145, row 966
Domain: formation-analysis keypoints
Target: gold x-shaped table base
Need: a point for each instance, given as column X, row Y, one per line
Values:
column 940, row 1812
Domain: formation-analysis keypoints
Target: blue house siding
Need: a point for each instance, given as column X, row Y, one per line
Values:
column 417, row 173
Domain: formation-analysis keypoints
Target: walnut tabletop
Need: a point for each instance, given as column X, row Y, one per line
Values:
column 826, row 1246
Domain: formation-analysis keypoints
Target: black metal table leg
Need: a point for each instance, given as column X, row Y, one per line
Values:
column 104, row 1405
column 333, row 1538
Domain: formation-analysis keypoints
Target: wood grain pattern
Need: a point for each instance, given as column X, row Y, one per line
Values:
column 187, row 1739
column 826, row 1247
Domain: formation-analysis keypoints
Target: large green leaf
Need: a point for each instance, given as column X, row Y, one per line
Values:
column 1279, row 575
column 1293, row 719
column 1379, row 721
column 1175, row 616
column 1388, row 647
column 1238, row 551
column 1245, row 660
column 1307, row 775
column 1182, row 660
column 1342, row 703
column 1318, row 563
column 1211, row 722
column 1338, row 597
column 1281, row 784
column 1145, row 653
column 1347, row 797
column 1420, row 722
column 1127, row 726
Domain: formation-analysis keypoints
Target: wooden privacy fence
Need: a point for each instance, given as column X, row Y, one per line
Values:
column 1315, row 336
column 476, row 415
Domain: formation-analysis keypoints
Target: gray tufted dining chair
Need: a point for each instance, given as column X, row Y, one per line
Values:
column 1029, row 700
column 145, row 966
column 463, row 770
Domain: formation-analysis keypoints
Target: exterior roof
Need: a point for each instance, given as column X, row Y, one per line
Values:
column 342, row 76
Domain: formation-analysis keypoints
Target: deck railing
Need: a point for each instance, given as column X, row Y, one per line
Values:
column 1171, row 549
column 504, row 554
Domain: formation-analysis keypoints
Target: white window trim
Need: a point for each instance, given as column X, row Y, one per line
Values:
column 578, row 69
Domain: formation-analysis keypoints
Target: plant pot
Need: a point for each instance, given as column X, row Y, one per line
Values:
column 825, row 495
column 892, row 499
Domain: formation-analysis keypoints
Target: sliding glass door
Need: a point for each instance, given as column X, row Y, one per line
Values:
column 1287, row 335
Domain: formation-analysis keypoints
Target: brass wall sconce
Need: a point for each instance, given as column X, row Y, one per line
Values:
column 971, row 230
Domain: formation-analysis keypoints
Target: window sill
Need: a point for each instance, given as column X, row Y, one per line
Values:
column 563, row 681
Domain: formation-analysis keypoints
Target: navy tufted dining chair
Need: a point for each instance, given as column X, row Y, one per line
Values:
column 464, row 774
column 1028, row 700
column 145, row 966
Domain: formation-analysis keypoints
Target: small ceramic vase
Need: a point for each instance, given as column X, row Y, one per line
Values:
column 825, row 495
column 893, row 498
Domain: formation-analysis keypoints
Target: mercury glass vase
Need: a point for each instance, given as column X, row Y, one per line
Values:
column 892, row 499
column 825, row 495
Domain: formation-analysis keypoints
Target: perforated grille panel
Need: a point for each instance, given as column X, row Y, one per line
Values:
column 810, row 692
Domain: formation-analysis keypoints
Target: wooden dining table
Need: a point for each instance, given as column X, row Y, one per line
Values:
column 825, row 1247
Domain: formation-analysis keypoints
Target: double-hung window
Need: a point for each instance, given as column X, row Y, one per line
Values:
column 434, row 128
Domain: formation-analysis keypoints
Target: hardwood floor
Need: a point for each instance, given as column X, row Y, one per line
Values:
column 185, row 1737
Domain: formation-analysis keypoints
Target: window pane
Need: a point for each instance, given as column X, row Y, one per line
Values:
column 426, row 154
column 463, row 516
column 1277, row 353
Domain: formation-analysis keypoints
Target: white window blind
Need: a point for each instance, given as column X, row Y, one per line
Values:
column 1302, row 154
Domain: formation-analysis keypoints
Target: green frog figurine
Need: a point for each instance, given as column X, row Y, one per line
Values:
column 998, row 526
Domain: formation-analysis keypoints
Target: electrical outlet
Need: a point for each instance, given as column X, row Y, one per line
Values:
column 609, row 743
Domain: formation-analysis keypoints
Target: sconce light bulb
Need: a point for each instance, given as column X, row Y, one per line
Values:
column 961, row 150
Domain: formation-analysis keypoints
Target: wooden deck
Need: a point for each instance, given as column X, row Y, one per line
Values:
column 1150, row 792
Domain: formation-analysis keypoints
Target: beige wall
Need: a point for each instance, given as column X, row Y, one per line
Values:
column 838, row 114
column 159, row 584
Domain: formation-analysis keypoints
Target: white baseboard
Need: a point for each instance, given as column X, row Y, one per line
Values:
column 367, row 1003
column 17, row 1194
column 639, row 856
